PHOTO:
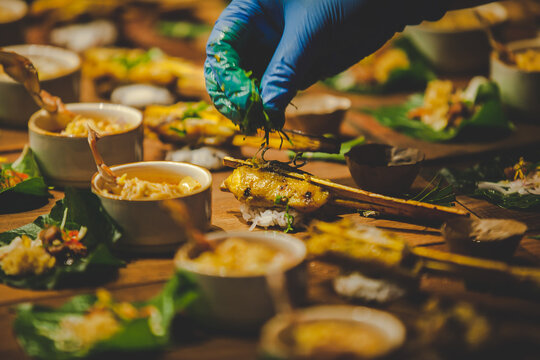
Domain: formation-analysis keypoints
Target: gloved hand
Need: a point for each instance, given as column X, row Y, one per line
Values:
column 290, row 44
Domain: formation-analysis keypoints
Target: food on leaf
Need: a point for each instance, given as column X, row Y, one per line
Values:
column 23, row 176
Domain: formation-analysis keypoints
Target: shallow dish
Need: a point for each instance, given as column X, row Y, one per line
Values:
column 457, row 50
column 520, row 89
column 68, row 161
column 147, row 226
column 16, row 105
column 243, row 302
column 12, row 13
column 276, row 337
column 382, row 168
column 487, row 238
column 317, row 114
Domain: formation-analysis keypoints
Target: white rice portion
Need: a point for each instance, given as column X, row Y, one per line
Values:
column 358, row 286
column 265, row 217
column 206, row 156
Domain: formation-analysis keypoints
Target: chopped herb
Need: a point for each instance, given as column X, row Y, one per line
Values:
column 179, row 132
column 290, row 220
column 436, row 193
column 129, row 62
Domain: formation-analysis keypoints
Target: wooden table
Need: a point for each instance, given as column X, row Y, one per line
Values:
column 143, row 277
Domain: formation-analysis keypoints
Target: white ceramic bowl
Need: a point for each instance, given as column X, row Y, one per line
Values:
column 520, row 89
column 147, row 226
column 456, row 50
column 243, row 303
column 68, row 161
column 11, row 31
column 317, row 114
column 273, row 346
column 16, row 105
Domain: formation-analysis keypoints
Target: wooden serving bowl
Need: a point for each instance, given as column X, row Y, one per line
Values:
column 498, row 239
column 377, row 168
column 317, row 114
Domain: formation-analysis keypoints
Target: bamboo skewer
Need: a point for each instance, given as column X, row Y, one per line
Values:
column 382, row 203
column 443, row 261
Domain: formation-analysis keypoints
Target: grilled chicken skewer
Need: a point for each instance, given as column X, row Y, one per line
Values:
column 245, row 185
column 356, row 244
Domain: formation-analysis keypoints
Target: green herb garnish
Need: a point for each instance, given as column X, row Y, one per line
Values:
column 183, row 29
column 129, row 62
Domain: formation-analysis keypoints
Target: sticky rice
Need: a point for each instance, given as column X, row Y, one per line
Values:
column 265, row 217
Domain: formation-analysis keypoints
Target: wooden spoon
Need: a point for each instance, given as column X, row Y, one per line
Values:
column 108, row 176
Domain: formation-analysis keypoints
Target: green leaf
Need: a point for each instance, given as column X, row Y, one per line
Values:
column 83, row 209
column 182, row 29
column 436, row 193
column 35, row 326
column 488, row 119
column 26, row 164
column 492, row 170
column 345, row 147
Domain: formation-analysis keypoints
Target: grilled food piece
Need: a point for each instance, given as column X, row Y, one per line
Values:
column 267, row 188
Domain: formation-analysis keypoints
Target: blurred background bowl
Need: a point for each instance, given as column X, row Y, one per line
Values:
column 244, row 303
column 147, row 226
column 68, row 161
column 384, row 169
column 12, row 13
column 317, row 114
column 457, row 50
column 277, row 340
column 487, row 238
column 520, row 89
column 16, row 105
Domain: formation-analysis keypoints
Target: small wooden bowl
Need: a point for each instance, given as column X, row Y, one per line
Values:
column 382, row 168
column 486, row 238
column 317, row 114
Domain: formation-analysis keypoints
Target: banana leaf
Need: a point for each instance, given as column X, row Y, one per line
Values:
column 415, row 77
column 33, row 184
column 489, row 120
column 35, row 326
column 82, row 208
column 465, row 182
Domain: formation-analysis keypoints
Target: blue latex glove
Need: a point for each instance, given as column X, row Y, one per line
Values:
column 291, row 44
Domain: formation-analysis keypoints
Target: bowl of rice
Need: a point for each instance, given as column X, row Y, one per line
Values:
column 232, row 276
column 59, row 72
column 136, row 204
column 62, row 151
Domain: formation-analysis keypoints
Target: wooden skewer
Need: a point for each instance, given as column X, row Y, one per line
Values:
column 382, row 203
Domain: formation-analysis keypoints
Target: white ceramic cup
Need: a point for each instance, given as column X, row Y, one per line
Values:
column 244, row 303
column 16, row 105
column 520, row 89
column 68, row 161
column 146, row 226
